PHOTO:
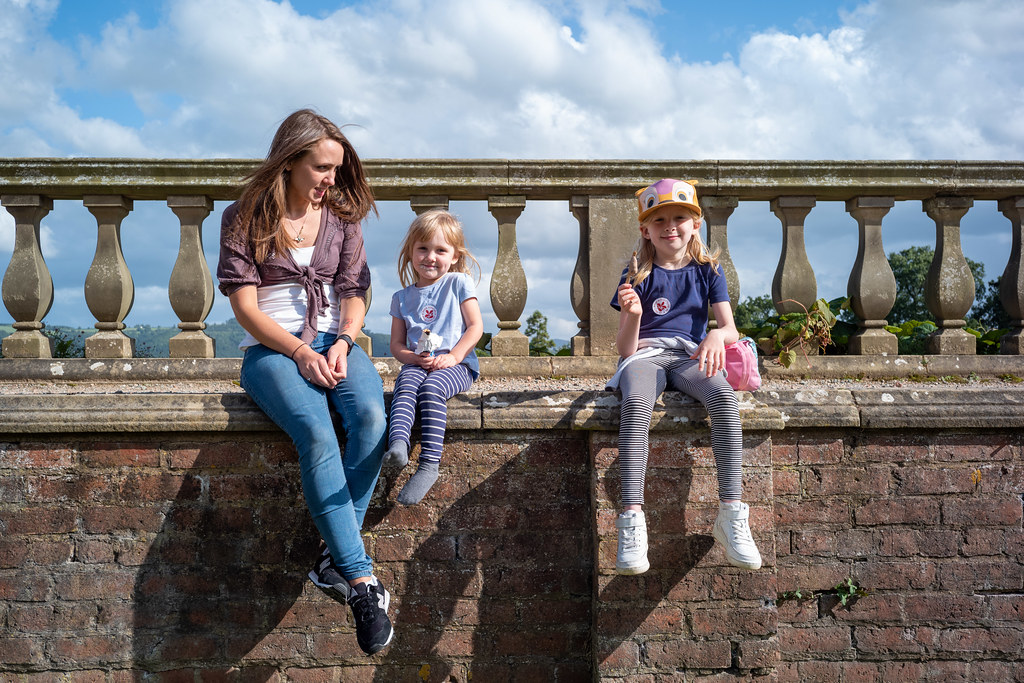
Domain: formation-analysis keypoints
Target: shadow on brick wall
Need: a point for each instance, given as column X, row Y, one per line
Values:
column 500, row 586
column 227, row 564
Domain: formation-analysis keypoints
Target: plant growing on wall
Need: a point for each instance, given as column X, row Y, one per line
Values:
column 808, row 330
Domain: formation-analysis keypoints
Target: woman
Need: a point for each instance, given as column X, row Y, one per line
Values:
column 293, row 265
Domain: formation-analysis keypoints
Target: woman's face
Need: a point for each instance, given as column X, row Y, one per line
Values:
column 313, row 173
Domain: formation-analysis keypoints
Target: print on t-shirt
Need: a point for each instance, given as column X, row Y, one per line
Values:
column 661, row 306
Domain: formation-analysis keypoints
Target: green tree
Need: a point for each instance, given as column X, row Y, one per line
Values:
column 910, row 268
column 541, row 343
column 754, row 310
column 988, row 309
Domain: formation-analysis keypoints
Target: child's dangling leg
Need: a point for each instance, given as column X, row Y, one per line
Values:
column 640, row 383
column 432, row 398
column 732, row 529
column 403, row 412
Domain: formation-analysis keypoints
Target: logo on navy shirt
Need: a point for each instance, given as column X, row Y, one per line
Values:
column 428, row 314
column 661, row 306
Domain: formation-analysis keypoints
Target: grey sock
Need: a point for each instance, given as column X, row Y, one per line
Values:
column 397, row 454
column 418, row 484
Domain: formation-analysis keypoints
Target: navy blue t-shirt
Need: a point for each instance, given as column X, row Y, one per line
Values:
column 676, row 302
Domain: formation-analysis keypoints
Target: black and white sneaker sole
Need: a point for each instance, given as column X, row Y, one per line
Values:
column 332, row 591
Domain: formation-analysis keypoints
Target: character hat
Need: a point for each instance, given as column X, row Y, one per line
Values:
column 668, row 192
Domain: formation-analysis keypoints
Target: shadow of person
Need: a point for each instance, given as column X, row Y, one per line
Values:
column 499, row 582
column 630, row 605
column 228, row 561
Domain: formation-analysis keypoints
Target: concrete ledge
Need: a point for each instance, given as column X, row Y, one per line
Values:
column 553, row 367
column 816, row 406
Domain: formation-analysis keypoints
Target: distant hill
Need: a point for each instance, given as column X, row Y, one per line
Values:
column 152, row 342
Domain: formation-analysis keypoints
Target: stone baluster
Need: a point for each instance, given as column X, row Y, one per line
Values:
column 508, row 281
column 579, row 286
column 872, row 286
column 109, row 290
column 716, row 215
column 191, row 286
column 1011, row 290
column 794, row 277
column 949, row 287
column 27, row 284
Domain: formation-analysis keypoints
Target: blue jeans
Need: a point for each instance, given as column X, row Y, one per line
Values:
column 337, row 487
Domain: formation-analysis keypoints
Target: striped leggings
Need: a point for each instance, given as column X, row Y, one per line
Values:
column 641, row 382
column 430, row 391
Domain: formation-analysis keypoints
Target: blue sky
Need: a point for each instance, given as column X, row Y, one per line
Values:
column 850, row 79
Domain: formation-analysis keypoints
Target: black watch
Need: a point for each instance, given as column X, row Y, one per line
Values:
column 348, row 340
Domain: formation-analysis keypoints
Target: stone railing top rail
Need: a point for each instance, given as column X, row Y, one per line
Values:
column 477, row 179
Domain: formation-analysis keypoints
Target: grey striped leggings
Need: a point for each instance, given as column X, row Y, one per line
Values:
column 641, row 383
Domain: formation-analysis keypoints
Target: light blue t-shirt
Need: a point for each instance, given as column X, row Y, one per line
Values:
column 438, row 308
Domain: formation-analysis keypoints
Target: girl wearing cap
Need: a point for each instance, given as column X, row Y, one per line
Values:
column 663, row 342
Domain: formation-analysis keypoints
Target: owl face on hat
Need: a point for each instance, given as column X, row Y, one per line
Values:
column 667, row 192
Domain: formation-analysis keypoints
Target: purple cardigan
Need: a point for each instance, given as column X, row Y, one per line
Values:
column 339, row 258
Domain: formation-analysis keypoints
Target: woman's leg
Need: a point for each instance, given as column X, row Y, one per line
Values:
column 403, row 414
column 432, row 399
column 359, row 402
column 300, row 408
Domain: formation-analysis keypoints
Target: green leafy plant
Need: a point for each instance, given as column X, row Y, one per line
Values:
column 808, row 330
column 65, row 343
column 848, row 591
column 795, row 595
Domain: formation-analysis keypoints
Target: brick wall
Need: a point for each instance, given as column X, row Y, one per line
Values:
column 184, row 554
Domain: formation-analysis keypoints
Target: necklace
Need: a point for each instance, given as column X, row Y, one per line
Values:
column 299, row 239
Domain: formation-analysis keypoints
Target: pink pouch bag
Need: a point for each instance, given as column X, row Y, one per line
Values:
column 741, row 365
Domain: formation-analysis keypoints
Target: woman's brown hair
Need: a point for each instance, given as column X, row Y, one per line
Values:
column 262, row 203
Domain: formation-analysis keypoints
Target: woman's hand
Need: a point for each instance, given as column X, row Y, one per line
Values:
column 710, row 355
column 337, row 359
column 629, row 300
column 315, row 367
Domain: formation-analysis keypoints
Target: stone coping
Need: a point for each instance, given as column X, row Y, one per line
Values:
column 811, row 406
column 218, row 369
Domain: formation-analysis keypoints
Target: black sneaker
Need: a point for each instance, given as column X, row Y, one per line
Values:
column 326, row 577
column 369, row 602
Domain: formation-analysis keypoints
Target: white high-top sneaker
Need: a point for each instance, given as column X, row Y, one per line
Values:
column 733, row 532
column 631, row 557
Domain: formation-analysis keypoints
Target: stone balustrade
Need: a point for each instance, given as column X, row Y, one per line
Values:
column 599, row 194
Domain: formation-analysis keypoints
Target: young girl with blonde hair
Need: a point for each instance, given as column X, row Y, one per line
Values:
column 664, row 343
column 435, row 327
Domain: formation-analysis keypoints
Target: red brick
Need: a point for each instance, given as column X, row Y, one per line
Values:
column 814, row 640
column 895, row 575
column 820, row 672
column 812, row 577
column 942, row 607
column 842, row 481
column 815, row 451
column 890, row 449
column 914, row 481
column 984, row 541
column 40, row 618
column 95, row 585
column 29, row 456
column 996, row 671
column 42, row 551
column 20, row 651
column 257, row 487
column 757, row 654
column 897, row 542
column 108, row 519
column 947, row 672
column 981, row 575
column 974, row 448
column 786, row 482
column 210, row 456
column 159, row 487
column 743, row 585
column 119, row 455
column 37, row 520
column 873, row 608
column 986, row 640
column 273, row 646
column 105, row 649
column 870, row 672
column 24, row 586
column 733, row 622
column 817, row 512
column 989, row 511
column 895, row 640
column 814, row 542
column 689, row 654
column 552, row 643
column 622, row 656
column 916, row 510
column 853, row 543
column 1006, row 607
column 626, row 621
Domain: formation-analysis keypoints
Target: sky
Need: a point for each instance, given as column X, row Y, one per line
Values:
column 529, row 79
